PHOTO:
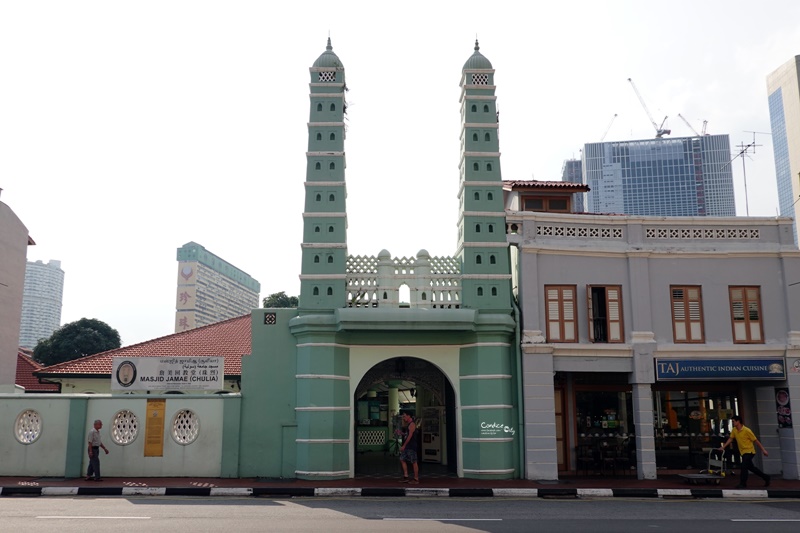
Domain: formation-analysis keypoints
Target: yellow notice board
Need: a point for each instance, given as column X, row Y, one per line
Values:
column 154, row 428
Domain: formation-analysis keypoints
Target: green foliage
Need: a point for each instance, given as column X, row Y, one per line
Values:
column 279, row 299
column 87, row 336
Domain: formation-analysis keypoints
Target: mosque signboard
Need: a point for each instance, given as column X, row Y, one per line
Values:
column 167, row 373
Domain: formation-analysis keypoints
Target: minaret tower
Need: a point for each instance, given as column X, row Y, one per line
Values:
column 322, row 283
column 482, row 245
column 322, row 408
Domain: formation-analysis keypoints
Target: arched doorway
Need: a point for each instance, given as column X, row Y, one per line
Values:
column 389, row 388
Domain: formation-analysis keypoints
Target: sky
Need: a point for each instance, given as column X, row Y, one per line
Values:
column 128, row 129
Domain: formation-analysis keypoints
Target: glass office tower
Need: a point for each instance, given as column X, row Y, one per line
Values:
column 784, row 116
column 571, row 172
column 685, row 176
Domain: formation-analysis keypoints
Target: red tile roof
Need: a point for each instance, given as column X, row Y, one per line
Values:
column 536, row 184
column 230, row 339
column 25, row 378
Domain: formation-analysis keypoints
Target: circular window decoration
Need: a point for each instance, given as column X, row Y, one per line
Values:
column 28, row 427
column 124, row 428
column 185, row 427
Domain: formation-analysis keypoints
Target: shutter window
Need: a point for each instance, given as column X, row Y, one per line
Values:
column 604, row 312
column 560, row 313
column 746, row 315
column 687, row 314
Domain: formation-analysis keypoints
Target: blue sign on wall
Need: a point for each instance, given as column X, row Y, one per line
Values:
column 710, row 369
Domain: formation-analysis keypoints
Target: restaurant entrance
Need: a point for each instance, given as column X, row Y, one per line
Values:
column 690, row 420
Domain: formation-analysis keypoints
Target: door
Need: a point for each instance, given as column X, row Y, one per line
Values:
column 561, row 442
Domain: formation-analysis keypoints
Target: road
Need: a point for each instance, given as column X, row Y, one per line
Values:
column 352, row 515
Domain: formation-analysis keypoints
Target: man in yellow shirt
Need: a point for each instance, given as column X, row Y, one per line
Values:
column 746, row 439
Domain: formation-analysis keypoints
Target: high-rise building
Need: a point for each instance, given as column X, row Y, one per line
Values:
column 783, row 87
column 572, row 171
column 210, row 289
column 684, row 176
column 14, row 242
column 41, row 302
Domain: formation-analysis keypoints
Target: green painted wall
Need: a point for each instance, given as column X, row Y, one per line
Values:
column 325, row 261
column 77, row 433
column 324, row 418
column 325, row 199
column 299, row 382
column 320, row 290
column 268, row 405
column 481, row 229
column 231, row 438
column 65, row 420
column 488, row 408
column 318, row 168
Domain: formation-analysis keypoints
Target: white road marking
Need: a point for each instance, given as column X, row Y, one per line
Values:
column 765, row 519
column 96, row 517
column 444, row 519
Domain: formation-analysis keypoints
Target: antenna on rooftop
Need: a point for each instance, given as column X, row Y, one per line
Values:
column 745, row 150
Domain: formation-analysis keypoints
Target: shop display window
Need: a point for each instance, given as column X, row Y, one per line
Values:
column 688, row 424
column 605, row 431
column 603, row 412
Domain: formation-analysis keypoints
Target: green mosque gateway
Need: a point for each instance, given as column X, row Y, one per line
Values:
column 436, row 335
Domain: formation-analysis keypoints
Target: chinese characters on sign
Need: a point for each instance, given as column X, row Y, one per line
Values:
column 167, row 373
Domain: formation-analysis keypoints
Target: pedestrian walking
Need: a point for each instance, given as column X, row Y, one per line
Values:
column 746, row 440
column 95, row 443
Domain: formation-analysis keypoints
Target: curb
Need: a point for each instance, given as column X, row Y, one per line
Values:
column 416, row 492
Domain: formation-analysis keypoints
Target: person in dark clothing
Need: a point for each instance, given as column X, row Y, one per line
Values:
column 408, row 451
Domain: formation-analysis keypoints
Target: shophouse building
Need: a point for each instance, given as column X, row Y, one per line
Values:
column 643, row 336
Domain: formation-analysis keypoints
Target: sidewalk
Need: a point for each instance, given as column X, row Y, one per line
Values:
column 668, row 486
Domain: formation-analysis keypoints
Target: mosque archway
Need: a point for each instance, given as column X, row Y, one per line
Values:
column 394, row 386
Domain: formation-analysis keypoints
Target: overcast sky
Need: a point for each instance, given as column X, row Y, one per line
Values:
column 128, row 129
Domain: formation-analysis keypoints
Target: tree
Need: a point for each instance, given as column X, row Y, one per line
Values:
column 87, row 336
column 279, row 299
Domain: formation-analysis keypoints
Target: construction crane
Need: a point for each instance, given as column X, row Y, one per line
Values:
column 705, row 125
column 608, row 128
column 660, row 131
column 689, row 125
